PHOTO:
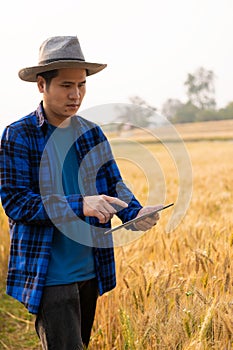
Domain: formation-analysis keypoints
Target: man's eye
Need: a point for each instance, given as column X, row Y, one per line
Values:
column 66, row 85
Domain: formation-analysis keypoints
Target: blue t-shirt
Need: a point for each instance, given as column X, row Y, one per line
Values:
column 70, row 261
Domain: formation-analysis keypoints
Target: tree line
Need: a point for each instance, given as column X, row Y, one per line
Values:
column 201, row 102
column 200, row 106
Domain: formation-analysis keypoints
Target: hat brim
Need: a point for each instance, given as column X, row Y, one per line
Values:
column 30, row 73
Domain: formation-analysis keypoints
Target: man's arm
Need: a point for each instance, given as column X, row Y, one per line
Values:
column 20, row 202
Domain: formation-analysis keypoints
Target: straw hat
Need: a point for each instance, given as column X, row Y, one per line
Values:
column 60, row 52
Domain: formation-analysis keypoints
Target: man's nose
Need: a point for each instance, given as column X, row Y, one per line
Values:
column 75, row 93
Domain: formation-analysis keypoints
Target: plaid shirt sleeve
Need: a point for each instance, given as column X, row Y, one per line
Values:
column 20, row 193
column 109, row 181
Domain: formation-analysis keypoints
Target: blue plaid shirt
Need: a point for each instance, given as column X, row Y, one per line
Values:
column 33, row 210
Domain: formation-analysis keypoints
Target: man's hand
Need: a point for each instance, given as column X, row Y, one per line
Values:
column 101, row 208
column 149, row 221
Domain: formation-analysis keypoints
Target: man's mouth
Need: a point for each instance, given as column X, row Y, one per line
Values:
column 73, row 105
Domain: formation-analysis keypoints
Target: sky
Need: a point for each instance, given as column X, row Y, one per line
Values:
column 150, row 46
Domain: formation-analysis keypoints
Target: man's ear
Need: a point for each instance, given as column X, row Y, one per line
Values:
column 41, row 84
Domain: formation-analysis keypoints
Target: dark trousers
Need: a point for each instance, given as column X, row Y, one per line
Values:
column 66, row 315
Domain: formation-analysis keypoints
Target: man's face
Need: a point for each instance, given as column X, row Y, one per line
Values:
column 62, row 99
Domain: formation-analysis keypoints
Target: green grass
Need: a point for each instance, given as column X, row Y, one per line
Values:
column 16, row 325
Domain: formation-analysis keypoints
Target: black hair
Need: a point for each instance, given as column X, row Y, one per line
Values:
column 48, row 76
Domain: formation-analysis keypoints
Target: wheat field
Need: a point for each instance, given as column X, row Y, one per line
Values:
column 174, row 289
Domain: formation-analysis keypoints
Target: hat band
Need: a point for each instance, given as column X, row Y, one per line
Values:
column 60, row 59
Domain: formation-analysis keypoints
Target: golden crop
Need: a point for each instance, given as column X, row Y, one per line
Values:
column 175, row 289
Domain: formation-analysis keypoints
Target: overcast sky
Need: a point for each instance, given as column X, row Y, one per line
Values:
column 149, row 45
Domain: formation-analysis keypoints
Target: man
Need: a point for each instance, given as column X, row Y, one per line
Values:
column 60, row 187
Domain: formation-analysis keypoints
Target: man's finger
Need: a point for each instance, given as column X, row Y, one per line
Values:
column 102, row 217
column 116, row 201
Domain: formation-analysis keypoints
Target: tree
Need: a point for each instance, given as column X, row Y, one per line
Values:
column 137, row 116
column 200, row 88
column 227, row 112
column 171, row 107
column 207, row 115
column 186, row 114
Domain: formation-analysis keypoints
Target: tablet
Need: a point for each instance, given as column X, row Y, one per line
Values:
column 137, row 219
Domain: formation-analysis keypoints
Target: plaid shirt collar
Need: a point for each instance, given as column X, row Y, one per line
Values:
column 42, row 121
column 40, row 115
